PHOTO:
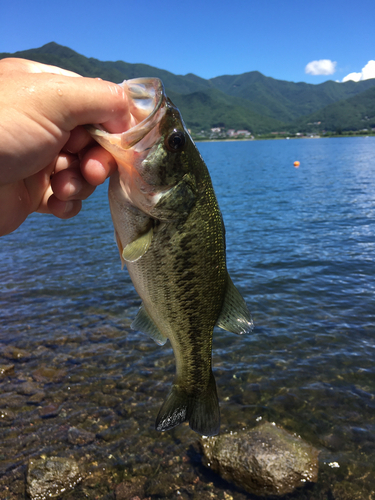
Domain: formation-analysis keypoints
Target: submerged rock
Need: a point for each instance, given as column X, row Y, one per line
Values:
column 266, row 460
column 50, row 411
column 6, row 416
column 131, row 489
column 80, row 437
column 45, row 374
column 14, row 353
column 36, row 398
column 27, row 388
column 6, row 370
column 50, row 477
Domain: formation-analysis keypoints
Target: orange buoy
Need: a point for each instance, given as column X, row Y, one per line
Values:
column 296, row 164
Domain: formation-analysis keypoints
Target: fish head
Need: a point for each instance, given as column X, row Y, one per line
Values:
column 153, row 155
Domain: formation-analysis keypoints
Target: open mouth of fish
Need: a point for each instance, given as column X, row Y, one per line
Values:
column 146, row 105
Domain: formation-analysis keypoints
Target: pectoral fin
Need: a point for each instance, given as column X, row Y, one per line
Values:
column 145, row 324
column 235, row 316
column 137, row 248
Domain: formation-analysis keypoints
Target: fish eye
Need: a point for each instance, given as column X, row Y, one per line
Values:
column 175, row 141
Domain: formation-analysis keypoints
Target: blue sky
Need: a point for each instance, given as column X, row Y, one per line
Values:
column 206, row 37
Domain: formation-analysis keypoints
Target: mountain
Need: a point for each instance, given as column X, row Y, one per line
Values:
column 203, row 110
column 249, row 101
column 355, row 113
column 283, row 100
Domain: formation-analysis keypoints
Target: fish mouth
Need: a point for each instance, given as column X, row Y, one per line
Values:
column 146, row 104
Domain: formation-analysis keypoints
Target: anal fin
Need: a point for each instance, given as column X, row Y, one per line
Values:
column 145, row 324
column 235, row 317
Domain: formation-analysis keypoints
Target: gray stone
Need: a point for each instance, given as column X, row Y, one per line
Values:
column 27, row 389
column 51, row 477
column 80, row 437
column 266, row 460
column 49, row 374
column 36, row 398
column 50, row 411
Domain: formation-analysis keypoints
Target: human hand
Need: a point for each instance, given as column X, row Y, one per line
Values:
column 48, row 161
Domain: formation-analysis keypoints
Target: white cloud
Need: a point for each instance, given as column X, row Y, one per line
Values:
column 367, row 72
column 352, row 76
column 321, row 67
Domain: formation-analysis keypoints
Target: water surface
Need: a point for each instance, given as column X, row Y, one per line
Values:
column 300, row 247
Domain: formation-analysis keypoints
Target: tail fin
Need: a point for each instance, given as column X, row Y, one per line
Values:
column 201, row 410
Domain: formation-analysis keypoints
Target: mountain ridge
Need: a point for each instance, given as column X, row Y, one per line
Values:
column 251, row 101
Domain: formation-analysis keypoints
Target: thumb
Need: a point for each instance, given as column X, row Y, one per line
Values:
column 81, row 101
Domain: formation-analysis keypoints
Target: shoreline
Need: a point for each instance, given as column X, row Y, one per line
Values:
column 285, row 138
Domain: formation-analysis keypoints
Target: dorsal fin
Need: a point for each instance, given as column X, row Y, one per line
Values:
column 235, row 317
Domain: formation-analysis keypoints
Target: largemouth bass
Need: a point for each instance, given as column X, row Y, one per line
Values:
column 171, row 236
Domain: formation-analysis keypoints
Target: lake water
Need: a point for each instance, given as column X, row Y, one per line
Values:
column 301, row 249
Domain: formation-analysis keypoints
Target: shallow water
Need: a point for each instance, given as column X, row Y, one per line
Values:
column 300, row 247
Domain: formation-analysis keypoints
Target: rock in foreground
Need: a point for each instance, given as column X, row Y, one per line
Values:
column 266, row 460
column 50, row 477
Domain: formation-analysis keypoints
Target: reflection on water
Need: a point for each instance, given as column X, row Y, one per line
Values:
column 300, row 247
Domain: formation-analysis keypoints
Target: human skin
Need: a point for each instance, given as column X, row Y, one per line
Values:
column 48, row 161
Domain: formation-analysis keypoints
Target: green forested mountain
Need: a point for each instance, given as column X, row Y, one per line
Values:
column 355, row 113
column 287, row 101
column 212, row 108
column 249, row 101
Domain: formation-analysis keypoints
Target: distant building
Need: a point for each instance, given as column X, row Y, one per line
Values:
column 235, row 133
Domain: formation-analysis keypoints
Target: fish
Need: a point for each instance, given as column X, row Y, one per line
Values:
column 171, row 237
